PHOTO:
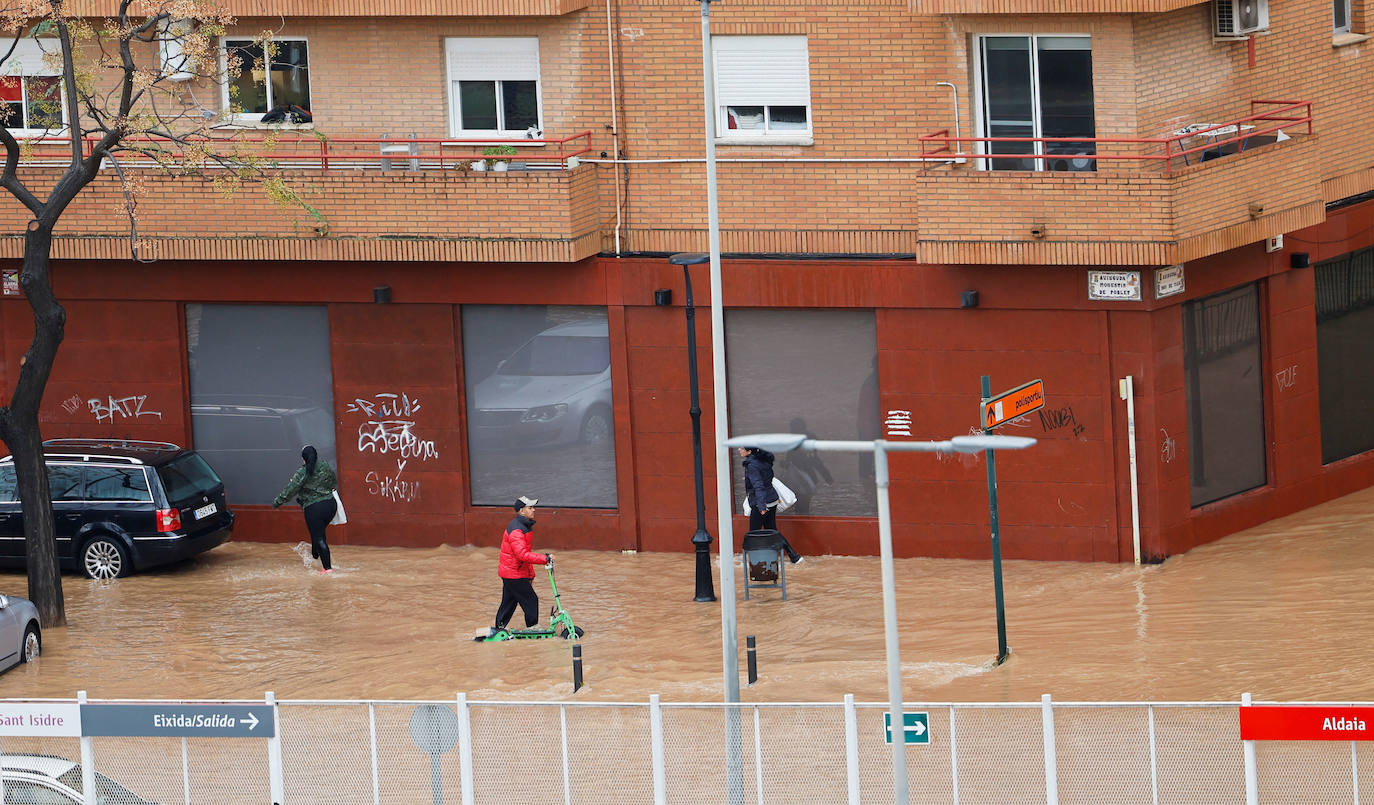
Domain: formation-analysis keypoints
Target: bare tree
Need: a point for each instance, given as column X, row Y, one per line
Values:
column 115, row 94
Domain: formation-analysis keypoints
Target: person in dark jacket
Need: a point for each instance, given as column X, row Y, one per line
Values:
column 516, row 566
column 762, row 497
column 313, row 487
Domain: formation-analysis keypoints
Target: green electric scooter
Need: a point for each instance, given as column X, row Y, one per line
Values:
column 560, row 625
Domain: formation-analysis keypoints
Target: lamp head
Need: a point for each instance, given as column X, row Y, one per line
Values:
column 772, row 442
column 977, row 444
column 689, row 259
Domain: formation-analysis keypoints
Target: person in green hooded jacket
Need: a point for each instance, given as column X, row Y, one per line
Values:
column 313, row 487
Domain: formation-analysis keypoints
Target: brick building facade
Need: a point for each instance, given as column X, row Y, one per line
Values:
column 851, row 228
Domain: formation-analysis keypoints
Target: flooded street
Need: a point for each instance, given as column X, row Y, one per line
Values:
column 1279, row 611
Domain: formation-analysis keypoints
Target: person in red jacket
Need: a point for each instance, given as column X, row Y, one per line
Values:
column 516, row 566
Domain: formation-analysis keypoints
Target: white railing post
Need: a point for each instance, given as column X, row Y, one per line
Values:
column 275, row 781
column 758, row 758
column 465, row 749
column 1251, row 773
column 656, row 740
column 1154, row 761
column 563, row 740
column 372, row 739
column 185, row 774
column 1051, row 760
column 1355, row 771
column 851, row 747
column 953, row 757
column 87, row 760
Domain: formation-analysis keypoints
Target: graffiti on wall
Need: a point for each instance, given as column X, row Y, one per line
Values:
column 1168, row 448
column 1286, row 378
column 113, row 408
column 1057, row 418
column 388, row 429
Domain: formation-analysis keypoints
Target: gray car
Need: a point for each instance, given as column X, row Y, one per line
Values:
column 21, row 638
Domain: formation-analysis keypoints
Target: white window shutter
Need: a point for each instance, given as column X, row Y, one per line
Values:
column 28, row 57
column 493, row 58
column 762, row 70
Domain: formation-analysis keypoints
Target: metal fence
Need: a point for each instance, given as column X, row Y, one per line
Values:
column 469, row 752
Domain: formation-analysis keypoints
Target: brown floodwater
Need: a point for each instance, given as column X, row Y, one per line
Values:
column 1278, row 611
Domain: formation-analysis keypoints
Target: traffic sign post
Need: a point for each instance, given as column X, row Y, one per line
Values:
column 915, row 728
column 177, row 720
column 995, row 411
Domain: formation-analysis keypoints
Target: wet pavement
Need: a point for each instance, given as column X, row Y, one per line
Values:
column 1278, row 611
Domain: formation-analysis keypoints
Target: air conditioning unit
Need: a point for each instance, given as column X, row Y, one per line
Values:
column 1240, row 17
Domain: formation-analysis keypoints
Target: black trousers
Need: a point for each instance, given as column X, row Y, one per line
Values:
column 517, row 591
column 317, row 517
column 768, row 518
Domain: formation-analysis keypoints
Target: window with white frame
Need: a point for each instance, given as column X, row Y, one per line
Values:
column 1340, row 16
column 763, row 86
column 268, row 81
column 1038, row 87
column 31, row 88
column 493, row 86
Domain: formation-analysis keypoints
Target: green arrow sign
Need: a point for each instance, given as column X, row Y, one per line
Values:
column 915, row 726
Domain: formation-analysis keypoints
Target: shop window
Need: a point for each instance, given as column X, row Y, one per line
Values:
column 269, row 82
column 493, row 86
column 1225, row 394
column 763, row 87
column 261, row 389
column 1345, row 339
column 1038, row 86
column 813, row 372
column 539, row 410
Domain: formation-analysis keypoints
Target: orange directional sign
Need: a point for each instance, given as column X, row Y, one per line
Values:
column 1010, row 404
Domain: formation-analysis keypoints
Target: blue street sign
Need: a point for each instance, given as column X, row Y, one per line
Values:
column 915, row 727
column 178, row 720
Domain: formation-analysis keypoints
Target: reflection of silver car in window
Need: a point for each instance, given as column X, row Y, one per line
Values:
column 554, row 389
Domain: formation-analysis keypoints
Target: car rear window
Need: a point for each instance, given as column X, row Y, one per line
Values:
column 187, row 476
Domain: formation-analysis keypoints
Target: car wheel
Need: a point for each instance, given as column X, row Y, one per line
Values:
column 104, row 558
column 596, row 427
column 33, row 644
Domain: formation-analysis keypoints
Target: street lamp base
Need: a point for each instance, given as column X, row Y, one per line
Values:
column 706, row 590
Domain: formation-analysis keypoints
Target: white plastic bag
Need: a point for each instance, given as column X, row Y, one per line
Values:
column 339, row 517
column 786, row 497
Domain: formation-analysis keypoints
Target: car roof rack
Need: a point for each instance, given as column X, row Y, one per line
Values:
column 126, row 444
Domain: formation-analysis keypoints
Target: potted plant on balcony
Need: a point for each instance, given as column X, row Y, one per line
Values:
column 495, row 156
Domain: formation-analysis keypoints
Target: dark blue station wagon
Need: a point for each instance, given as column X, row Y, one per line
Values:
column 120, row 506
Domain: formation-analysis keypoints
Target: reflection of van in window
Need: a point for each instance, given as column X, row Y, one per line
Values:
column 554, row 389
column 255, row 440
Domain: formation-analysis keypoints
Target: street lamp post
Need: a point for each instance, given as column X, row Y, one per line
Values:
column 701, row 539
column 784, row 442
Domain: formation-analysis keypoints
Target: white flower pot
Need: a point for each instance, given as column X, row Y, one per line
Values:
column 500, row 167
column 479, row 165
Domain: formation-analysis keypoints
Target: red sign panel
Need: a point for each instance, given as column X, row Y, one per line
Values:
column 1295, row 723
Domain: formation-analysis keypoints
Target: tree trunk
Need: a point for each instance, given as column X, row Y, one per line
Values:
column 19, row 428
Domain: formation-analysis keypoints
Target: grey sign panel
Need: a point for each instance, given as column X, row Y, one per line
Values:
column 178, row 720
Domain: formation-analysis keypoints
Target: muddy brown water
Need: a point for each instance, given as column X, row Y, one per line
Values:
column 1279, row 611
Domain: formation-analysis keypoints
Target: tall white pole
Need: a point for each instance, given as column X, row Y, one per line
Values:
column 729, row 640
column 894, row 660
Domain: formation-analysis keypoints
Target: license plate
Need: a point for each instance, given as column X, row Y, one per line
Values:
column 205, row 511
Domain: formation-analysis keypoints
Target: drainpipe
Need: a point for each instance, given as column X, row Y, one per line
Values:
column 956, row 107
column 615, row 123
column 1126, row 390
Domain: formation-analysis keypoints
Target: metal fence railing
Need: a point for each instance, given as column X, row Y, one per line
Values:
column 461, row 751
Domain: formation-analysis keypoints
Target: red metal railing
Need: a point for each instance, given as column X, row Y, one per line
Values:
column 306, row 150
column 1266, row 117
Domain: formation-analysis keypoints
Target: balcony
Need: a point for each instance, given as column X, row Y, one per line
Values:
column 373, row 199
column 1207, row 187
column 1048, row 6
column 365, row 8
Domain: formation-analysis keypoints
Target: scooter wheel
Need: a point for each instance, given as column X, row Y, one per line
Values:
column 564, row 633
